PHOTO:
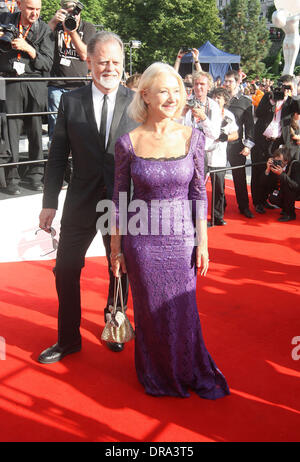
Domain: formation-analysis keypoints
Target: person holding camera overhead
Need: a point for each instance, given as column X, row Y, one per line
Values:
column 71, row 37
column 26, row 50
column 183, row 51
column 272, row 129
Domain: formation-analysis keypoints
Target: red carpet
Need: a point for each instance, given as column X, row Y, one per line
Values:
column 249, row 308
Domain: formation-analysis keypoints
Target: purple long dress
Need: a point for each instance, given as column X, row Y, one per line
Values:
column 159, row 250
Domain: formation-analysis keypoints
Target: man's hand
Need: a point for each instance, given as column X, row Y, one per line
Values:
column 269, row 165
column 46, row 219
column 198, row 113
column 276, row 169
column 20, row 44
column 245, row 152
column 60, row 15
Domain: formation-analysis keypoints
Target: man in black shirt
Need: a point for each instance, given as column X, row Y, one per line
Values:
column 31, row 55
column 69, row 57
column 238, row 150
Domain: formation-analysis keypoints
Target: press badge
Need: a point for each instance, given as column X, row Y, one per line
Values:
column 19, row 67
column 65, row 62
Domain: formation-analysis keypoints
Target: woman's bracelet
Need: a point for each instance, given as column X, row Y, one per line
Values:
column 115, row 257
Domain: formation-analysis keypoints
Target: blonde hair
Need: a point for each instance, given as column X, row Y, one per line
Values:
column 138, row 109
column 197, row 75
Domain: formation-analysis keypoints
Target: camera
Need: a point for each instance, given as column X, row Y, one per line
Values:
column 277, row 163
column 277, row 93
column 70, row 21
column 10, row 32
column 186, row 49
column 193, row 102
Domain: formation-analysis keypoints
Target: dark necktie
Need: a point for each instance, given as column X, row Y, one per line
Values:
column 102, row 132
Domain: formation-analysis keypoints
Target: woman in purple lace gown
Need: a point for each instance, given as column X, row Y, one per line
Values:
column 154, row 240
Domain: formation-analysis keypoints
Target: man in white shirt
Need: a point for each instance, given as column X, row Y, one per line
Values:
column 201, row 111
column 217, row 155
column 90, row 120
column 272, row 129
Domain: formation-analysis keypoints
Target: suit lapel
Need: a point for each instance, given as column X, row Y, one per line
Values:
column 87, row 102
column 121, row 102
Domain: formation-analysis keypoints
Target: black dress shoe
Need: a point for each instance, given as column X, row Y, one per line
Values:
column 55, row 353
column 216, row 223
column 13, row 190
column 259, row 208
column 37, row 186
column 220, row 222
column 285, row 218
column 247, row 213
column 115, row 347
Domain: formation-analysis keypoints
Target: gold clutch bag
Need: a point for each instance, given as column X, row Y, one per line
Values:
column 117, row 328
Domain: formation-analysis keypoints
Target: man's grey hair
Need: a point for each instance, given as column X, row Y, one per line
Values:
column 102, row 37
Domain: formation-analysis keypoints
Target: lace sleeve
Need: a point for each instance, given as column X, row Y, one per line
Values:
column 197, row 190
column 121, row 194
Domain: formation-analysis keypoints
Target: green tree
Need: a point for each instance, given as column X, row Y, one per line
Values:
column 163, row 26
column 92, row 12
column 245, row 33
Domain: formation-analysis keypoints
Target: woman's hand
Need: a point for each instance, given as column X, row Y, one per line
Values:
column 202, row 260
column 118, row 264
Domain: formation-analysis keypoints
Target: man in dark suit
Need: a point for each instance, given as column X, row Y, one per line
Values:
column 90, row 120
column 237, row 151
column 272, row 129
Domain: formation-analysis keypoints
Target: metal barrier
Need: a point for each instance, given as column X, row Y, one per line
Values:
column 32, row 114
column 213, row 172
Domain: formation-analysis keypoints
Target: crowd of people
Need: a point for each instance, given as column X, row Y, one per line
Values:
column 164, row 135
column 261, row 117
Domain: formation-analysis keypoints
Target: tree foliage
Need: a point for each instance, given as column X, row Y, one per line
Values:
column 246, row 33
column 163, row 26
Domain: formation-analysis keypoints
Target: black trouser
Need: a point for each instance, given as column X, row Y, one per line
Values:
column 73, row 245
column 285, row 198
column 239, row 175
column 261, row 153
column 25, row 97
column 218, row 193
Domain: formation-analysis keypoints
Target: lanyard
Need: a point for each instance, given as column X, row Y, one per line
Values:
column 12, row 5
column 23, row 35
column 67, row 39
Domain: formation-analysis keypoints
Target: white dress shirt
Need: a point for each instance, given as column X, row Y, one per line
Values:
column 98, row 103
column 210, row 126
column 273, row 130
column 217, row 152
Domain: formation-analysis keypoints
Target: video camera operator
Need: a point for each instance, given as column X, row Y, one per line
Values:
column 70, row 53
column 26, row 50
column 272, row 129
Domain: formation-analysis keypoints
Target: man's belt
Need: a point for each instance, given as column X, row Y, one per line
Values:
column 270, row 139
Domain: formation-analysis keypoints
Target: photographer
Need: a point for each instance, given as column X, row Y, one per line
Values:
column 272, row 129
column 70, row 54
column 26, row 50
column 201, row 111
column 280, row 183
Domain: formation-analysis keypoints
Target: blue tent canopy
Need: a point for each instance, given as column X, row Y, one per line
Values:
column 219, row 61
